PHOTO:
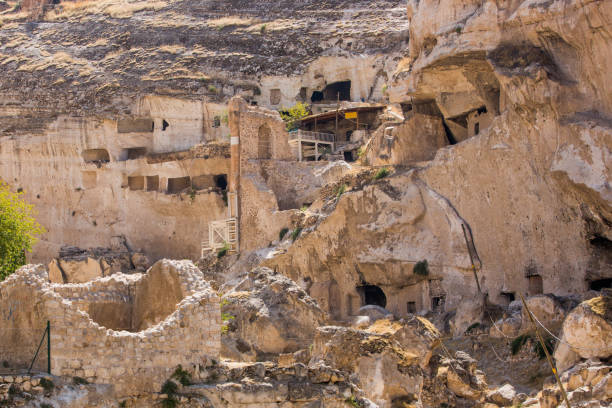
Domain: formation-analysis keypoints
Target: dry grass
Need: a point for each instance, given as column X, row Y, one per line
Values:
column 601, row 305
column 113, row 8
column 384, row 326
column 230, row 22
column 126, row 10
column 172, row 49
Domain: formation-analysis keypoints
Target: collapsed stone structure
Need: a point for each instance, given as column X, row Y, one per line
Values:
column 128, row 330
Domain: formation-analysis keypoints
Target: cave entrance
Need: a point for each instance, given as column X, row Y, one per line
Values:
column 338, row 90
column 317, row 96
column 535, row 285
column 221, row 181
column 165, row 125
column 508, row 297
column 372, row 295
column 600, row 284
column 95, row 156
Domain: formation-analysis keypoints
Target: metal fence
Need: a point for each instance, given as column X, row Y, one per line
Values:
column 25, row 350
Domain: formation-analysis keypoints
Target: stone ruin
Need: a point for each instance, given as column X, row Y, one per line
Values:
column 126, row 330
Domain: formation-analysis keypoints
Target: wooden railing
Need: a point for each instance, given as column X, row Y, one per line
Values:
column 308, row 136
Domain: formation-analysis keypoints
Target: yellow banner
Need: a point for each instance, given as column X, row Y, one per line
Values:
column 350, row 115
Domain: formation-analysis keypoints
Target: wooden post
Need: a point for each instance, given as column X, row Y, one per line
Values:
column 550, row 362
column 337, row 109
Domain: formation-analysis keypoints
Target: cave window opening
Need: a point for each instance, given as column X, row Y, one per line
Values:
column 317, row 96
column 372, row 295
column 437, row 303
column 217, row 122
column 411, row 307
column 165, row 125
column 600, row 284
column 96, row 156
column 338, row 90
column 508, row 297
column 221, row 181
column 477, row 128
column 348, row 156
column 481, row 110
column 535, row 285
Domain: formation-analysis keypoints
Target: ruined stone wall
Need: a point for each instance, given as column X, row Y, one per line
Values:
column 416, row 139
column 132, row 361
column 113, row 194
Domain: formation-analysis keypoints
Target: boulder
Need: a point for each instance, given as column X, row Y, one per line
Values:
column 388, row 358
column 268, row 313
column 503, row 396
column 469, row 311
column 587, row 333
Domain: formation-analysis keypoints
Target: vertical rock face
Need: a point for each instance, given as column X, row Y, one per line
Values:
column 535, row 179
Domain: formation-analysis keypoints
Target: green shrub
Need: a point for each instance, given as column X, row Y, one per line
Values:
column 223, row 251
column 5, row 364
column 340, row 190
column 262, row 29
column 47, row 384
column 226, row 317
column 295, row 234
column 473, row 327
column 80, row 381
column 182, row 376
column 421, row 268
column 212, row 89
column 122, row 404
column 382, row 173
column 539, row 350
column 169, row 402
column 192, row 195
column 18, row 230
column 292, row 116
column 352, row 402
column 282, row 233
column 45, row 405
column 517, row 343
column 169, row 388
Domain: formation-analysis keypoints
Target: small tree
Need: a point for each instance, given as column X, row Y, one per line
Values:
column 18, row 230
column 294, row 115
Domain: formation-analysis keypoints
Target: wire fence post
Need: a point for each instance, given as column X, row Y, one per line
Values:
column 550, row 361
column 49, row 347
column 47, row 334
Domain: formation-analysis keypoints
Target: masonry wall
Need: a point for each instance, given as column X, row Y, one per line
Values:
column 86, row 203
column 132, row 361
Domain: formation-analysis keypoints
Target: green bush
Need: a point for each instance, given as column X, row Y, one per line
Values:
column 473, row 327
column 282, row 233
column 382, row 173
column 18, row 230
column 421, row 268
column 517, row 343
column 292, row 116
column 80, row 381
column 295, row 234
column 169, row 402
column 47, row 384
column 340, row 190
column 262, row 29
column 352, row 402
column 182, row 376
column 212, row 89
column 539, row 350
column 223, row 251
column 169, row 388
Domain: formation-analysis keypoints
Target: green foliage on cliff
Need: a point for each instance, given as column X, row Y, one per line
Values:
column 18, row 230
column 292, row 116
